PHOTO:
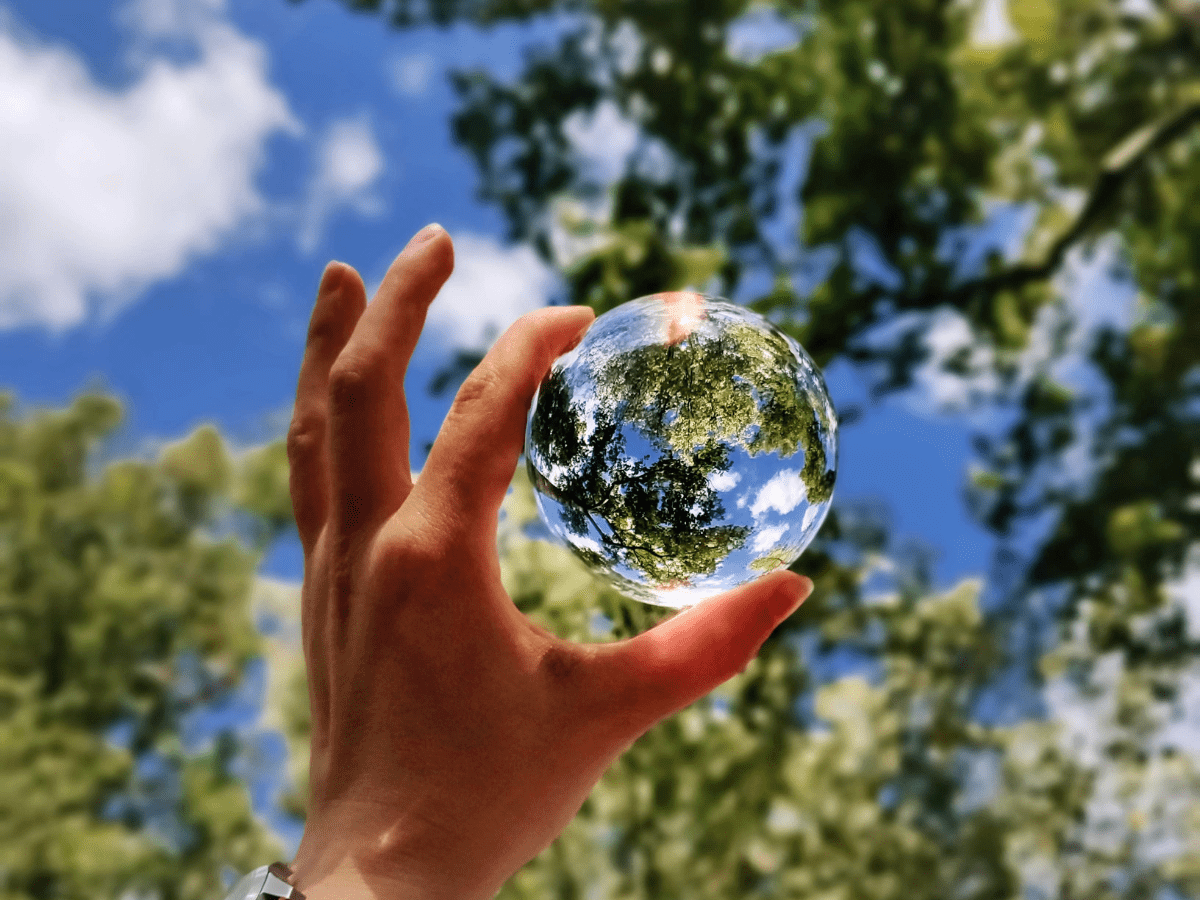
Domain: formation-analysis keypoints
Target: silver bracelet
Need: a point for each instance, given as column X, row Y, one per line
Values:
column 271, row 882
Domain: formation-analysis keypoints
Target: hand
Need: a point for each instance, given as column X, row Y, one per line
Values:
column 453, row 738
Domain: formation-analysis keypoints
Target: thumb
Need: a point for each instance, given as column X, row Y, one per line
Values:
column 471, row 464
column 680, row 660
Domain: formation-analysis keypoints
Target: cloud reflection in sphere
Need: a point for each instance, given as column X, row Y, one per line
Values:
column 686, row 446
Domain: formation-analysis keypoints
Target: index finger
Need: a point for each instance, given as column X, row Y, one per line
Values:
column 473, row 459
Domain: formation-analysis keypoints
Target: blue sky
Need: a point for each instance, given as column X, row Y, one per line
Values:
column 175, row 174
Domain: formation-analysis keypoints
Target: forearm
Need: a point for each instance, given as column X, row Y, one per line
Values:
column 354, row 855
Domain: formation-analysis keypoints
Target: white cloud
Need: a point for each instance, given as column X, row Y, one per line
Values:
column 815, row 514
column 724, row 481
column 1140, row 9
column 349, row 165
column 583, row 542
column 992, row 27
column 1183, row 732
column 1185, row 590
column 492, row 286
column 783, row 493
column 627, row 46
column 409, row 75
column 1060, row 340
column 604, row 138
column 767, row 538
column 948, row 334
column 1085, row 718
column 758, row 33
column 103, row 191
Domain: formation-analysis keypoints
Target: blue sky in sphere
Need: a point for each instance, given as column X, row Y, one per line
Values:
column 178, row 272
column 175, row 174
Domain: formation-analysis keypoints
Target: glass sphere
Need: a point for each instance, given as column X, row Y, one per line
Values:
column 684, row 447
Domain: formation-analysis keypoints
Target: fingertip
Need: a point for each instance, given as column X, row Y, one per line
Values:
column 428, row 233
column 539, row 337
column 586, row 314
column 334, row 272
column 340, row 276
column 432, row 243
column 790, row 592
column 583, row 316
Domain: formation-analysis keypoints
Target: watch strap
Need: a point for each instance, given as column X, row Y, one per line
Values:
column 271, row 882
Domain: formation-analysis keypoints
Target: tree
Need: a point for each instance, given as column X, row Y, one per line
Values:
column 121, row 619
column 916, row 139
column 627, row 440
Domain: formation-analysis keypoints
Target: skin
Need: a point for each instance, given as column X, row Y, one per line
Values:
column 453, row 738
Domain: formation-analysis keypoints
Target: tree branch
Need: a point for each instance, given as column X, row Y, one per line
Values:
column 1115, row 170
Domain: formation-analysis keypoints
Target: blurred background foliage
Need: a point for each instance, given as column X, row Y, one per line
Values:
column 1023, row 735
column 123, row 618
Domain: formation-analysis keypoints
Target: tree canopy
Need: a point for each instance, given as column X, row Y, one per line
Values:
column 631, row 433
column 885, row 169
column 120, row 620
column 866, row 173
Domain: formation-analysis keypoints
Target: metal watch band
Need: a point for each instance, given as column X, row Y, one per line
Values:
column 271, row 882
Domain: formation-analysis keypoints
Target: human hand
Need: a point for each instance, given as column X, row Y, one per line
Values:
column 452, row 737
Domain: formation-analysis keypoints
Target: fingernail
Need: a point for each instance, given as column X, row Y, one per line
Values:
column 575, row 341
column 428, row 233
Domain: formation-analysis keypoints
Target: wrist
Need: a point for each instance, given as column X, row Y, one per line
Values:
column 356, row 858
column 348, row 882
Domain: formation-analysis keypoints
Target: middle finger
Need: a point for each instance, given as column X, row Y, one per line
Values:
column 368, row 412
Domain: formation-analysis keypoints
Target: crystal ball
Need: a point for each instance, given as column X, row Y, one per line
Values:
column 684, row 447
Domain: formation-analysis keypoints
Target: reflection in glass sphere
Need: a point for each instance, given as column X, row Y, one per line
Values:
column 686, row 446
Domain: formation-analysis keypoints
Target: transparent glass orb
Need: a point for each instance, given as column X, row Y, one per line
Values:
column 686, row 446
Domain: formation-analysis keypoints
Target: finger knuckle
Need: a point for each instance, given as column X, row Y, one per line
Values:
column 409, row 557
column 479, row 390
column 304, row 438
column 348, row 384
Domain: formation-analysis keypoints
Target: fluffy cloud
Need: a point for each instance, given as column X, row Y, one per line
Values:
column 104, row 191
column 758, row 33
column 948, row 335
column 992, row 27
column 724, row 481
column 492, row 286
column 349, row 164
column 409, row 75
column 604, row 139
column 768, row 538
column 1060, row 341
column 783, row 493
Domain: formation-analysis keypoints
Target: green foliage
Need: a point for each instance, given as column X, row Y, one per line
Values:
column 736, row 797
column 118, row 618
column 914, row 136
column 694, row 401
column 891, row 784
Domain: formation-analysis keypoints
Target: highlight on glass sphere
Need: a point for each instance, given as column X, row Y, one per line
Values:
column 684, row 447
